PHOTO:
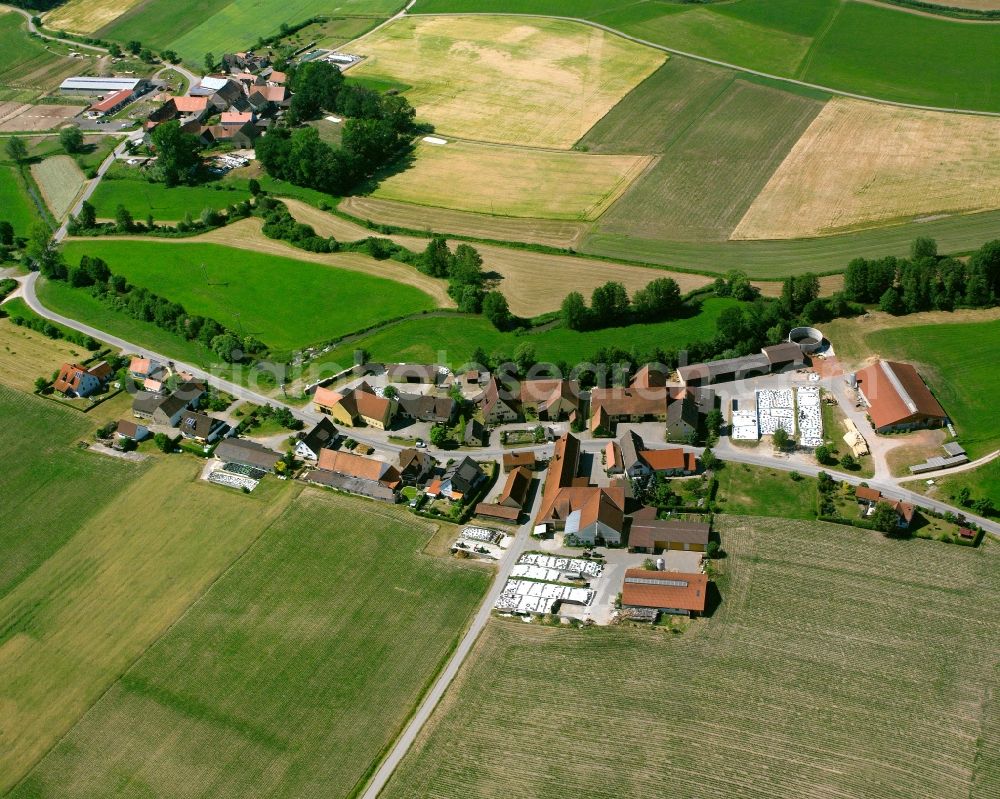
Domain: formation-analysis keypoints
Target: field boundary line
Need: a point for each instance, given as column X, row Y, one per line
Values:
column 806, row 61
column 239, row 557
column 717, row 62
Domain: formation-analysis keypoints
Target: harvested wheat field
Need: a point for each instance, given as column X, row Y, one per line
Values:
column 506, row 79
column 513, row 181
column 87, row 16
column 549, row 232
column 862, row 165
column 60, row 180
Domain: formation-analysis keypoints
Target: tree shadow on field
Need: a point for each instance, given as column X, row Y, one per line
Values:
column 401, row 164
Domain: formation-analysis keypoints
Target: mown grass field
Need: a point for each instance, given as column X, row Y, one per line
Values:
column 862, row 165
column 852, row 46
column 982, row 482
column 239, row 23
column 141, row 197
column 289, row 676
column 60, row 180
column 959, row 363
column 454, row 338
column 255, row 294
column 48, row 486
column 836, row 661
column 26, row 355
column 133, row 557
column 532, row 82
column 15, row 204
column 510, row 181
column 30, row 67
column 722, row 156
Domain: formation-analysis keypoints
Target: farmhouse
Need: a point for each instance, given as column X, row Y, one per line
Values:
column 358, row 474
column 682, row 419
column 897, row 398
column 669, row 592
column 609, row 406
column 651, row 535
column 81, row 381
column 496, row 409
column 870, row 498
column 551, row 399
column 702, row 374
column 200, row 427
column 415, row 465
column 247, row 453
column 356, row 406
column 322, row 436
column 141, row 368
column 425, row 408
column 167, row 410
column 629, row 456
column 586, row 514
column 460, row 478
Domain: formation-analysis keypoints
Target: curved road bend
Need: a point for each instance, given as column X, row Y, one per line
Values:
column 32, row 29
column 716, row 62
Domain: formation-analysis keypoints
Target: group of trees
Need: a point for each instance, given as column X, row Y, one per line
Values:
column 142, row 304
column 610, row 305
column 926, row 281
column 178, row 154
column 463, row 269
column 377, row 130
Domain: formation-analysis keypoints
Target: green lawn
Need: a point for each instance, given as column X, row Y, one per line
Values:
column 959, row 363
column 47, row 485
column 290, row 676
column 758, row 491
column 851, row 46
column 284, row 302
column 835, row 662
column 15, row 204
column 142, row 197
column 454, row 338
column 983, row 482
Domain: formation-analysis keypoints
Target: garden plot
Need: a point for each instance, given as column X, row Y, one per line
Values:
column 528, row 596
column 775, row 409
column 810, row 417
column 744, row 424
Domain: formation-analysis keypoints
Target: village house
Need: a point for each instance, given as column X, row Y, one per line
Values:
column 425, row 408
column 460, row 478
column 132, row 430
column 515, row 460
column 897, row 399
column 357, row 474
column 652, row 536
column 141, row 368
column 550, row 400
column 511, row 500
column 496, row 409
column 355, row 407
column 74, row 380
column 474, row 434
column 668, row 592
column 629, row 456
column 415, row 466
column 869, row 498
column 586, row 514
column 167, row 410
column 610, row 406
column 247, row 453
column 201, row 428
column 322, row 436
column 414, row 373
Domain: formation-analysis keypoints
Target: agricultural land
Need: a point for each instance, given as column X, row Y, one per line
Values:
column 60, row 180
column 238, row 289
column 314, row 622
column 841, row 45
column 142, row 197
column 30, row 67
column 509, row 181
column 18, row 208
column 499, row 79
column 785, row 684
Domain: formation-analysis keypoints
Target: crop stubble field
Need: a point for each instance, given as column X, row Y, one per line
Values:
column 862, row 164
column 289, row 676
column 836, row 662
column 60, row 180
column 534, row 82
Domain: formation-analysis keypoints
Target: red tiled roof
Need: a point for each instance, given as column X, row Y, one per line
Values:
column 111, row 101
column 511, row 460
column 674, row 458
column 189, row 105
column 498, row 511
column 352, row 465
column 656, row 589
column 887, row 406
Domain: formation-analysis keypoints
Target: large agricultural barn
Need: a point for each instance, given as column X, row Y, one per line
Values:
column 897, row 398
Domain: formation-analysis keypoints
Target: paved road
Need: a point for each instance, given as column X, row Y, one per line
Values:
column 726, row 64
column 423, row 713
column 88, row 191
column 965, row 467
